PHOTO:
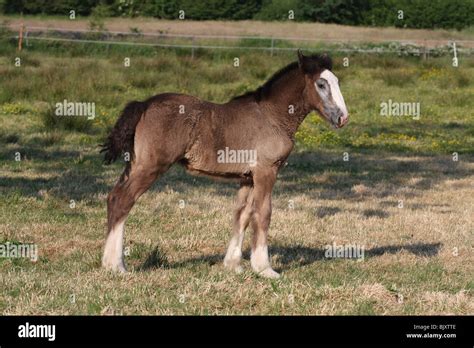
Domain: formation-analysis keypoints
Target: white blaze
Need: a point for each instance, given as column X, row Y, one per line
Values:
column 335, row 91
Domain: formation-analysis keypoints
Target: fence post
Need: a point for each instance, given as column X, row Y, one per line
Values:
column 20, row 37
column 192, row 48
column 455, row 59
column 424, row 49
column 273, row 44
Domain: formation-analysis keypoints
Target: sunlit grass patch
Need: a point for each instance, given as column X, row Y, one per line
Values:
column 396, row 77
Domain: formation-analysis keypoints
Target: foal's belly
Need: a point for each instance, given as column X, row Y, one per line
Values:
column 223, row 163
column 235, row 173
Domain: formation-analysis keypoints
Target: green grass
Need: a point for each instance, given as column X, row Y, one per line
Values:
column 102, row 78
column 175, row 254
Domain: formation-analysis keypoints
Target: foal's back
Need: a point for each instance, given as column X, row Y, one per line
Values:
column 184, row 128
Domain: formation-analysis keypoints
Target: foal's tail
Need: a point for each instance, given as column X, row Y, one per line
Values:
column 122, row 136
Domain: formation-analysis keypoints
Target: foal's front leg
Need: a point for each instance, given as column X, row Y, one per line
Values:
column 263, row 179
column 241, row 220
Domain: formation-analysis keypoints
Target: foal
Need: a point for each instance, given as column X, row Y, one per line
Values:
column 175, row 128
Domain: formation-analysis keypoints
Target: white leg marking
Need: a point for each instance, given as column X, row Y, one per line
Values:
column 234, row 252
column 113, row 251
column 261, row 264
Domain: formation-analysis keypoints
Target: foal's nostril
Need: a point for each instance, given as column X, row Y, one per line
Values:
column 343, row 119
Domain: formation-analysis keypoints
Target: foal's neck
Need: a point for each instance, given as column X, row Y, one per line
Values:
column 285, row 102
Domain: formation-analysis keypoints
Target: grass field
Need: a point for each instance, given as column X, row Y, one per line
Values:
column 400, row 194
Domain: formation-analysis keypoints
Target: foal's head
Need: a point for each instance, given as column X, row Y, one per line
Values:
column 322, row 89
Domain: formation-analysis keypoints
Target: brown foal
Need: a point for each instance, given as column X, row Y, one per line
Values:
column 247, row 139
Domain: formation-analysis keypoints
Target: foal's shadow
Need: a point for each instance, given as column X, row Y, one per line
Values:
column 290, row 255
column 306, row 255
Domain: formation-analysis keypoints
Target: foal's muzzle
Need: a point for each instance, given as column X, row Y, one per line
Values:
column 342, row 121
column 338, row 119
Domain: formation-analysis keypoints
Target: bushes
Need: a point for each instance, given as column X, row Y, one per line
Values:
column 52, row 7
column 430, row 14
column 198, row 10
column 348, row 12
column 417, row 13
column 278, row 10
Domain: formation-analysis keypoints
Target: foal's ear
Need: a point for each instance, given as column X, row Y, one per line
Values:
column 306, row 64
column 325, row 61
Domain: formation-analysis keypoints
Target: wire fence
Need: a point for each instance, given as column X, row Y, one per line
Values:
column 416, row 47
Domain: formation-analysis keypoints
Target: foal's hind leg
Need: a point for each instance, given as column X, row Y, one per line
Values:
column 119, row 203
column 241, row 221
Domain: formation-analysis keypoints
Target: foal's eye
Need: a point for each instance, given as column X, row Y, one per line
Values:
column 321, row 85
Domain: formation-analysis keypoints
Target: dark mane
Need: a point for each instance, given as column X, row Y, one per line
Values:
column 316, row 62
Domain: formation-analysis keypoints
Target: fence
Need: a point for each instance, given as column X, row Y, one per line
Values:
column 422, row 48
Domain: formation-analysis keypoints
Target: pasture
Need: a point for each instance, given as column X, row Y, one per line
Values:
column 391, row 184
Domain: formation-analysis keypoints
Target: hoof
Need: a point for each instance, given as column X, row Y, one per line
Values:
column 269, row 273
column 233, row 266
column 117, row 268
column 238, row 269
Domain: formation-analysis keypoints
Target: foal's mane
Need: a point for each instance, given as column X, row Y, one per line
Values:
column 313, row 63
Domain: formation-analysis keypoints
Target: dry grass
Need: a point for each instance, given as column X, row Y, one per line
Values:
column 175, row 254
